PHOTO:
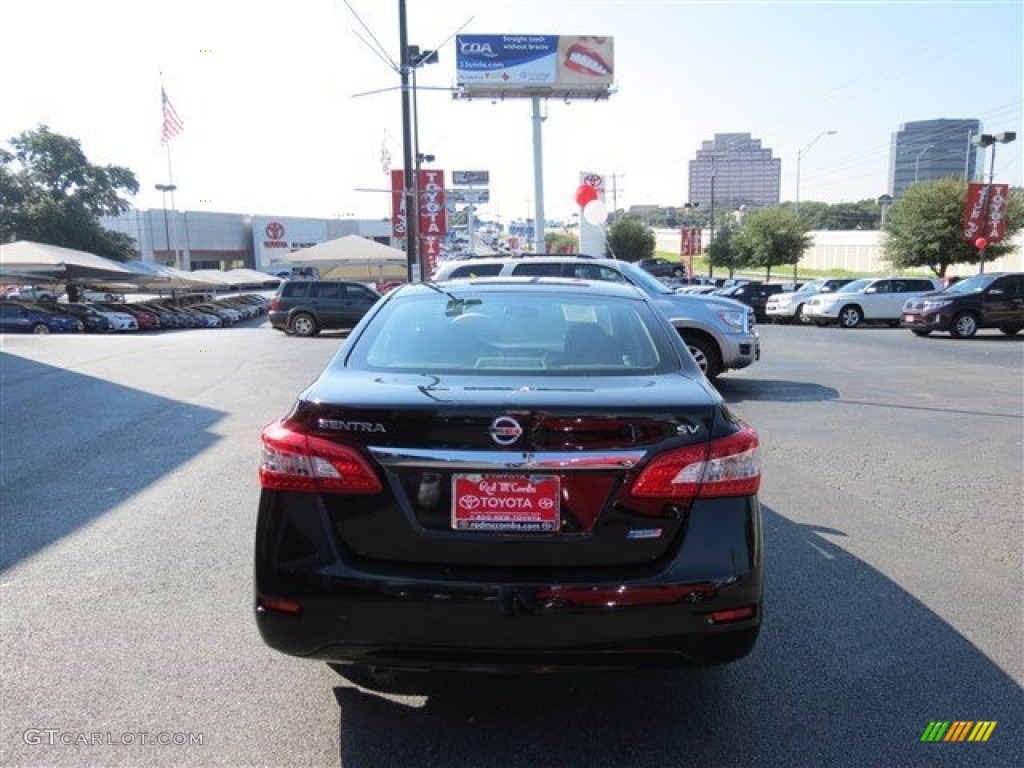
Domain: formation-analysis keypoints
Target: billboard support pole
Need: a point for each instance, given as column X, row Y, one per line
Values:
column 538, row 179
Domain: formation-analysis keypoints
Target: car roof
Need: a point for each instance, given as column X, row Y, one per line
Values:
column 550, row 259
column 551, row 284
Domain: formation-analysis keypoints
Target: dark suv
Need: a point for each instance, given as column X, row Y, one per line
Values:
column 663, row 267
column 756, row 295
column 993, row 300
column 306, row 307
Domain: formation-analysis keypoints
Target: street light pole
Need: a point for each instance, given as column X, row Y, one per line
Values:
column 164, row 189
column 989, row 140
column 799, row 158
column 711, row 222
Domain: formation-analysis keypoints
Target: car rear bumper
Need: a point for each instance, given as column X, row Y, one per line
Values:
column 475, row 618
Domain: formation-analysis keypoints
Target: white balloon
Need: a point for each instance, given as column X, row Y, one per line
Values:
column 596, row 212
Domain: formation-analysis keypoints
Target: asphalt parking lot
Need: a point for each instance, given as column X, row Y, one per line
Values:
column 894, row 475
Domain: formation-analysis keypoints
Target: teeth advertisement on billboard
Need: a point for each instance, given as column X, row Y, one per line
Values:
column 556, row 64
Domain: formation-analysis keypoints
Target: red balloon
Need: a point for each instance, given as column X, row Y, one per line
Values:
column 981, row 243
column 585, row 194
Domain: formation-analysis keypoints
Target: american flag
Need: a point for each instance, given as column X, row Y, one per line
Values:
column 173, row 125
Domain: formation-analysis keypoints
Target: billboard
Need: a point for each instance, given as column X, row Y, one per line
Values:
column 530, row 65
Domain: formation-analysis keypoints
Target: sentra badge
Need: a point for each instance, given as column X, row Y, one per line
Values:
column 351, row 426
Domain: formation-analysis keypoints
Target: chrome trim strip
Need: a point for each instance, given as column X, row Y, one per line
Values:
column 503, row 460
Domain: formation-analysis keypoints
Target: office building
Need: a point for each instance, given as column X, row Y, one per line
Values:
column 927, row 150
column 734, row 170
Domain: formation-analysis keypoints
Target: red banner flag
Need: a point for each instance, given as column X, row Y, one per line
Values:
column 985, row 212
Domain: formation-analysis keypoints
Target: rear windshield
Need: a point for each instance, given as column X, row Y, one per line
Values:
column 539, row 333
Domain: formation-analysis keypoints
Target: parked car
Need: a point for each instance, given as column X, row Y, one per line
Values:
column 873, row 300
column 994, row 300
column 756, row 294
column 510, row 474
column 788, row 307
column 17, row 317
column 719, row 332
column 92, row 321
column 306, row 307
column 119, row 321
column 660, row 267
column 32, row 293
column 147, row 321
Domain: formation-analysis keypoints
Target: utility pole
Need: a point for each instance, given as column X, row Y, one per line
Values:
column 409, row 184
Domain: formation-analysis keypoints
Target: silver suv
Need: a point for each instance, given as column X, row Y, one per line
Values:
column 718, row 331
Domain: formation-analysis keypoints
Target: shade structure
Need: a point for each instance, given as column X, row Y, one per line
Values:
column 39, row 262
column 251, row 278
column 343, row 250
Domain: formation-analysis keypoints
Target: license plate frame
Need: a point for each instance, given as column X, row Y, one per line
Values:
column 503, row 502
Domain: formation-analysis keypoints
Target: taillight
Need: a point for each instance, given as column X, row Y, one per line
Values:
column 291, row 461
column 729, row 466
column 273, row 303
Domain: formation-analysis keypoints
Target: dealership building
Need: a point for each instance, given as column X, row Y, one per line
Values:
column 206, row 240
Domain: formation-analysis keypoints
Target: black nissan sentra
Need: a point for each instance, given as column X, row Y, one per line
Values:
column 510, row 474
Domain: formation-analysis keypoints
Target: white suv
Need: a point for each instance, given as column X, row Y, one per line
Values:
column 871, row 299
column 719, row 332
column 789, row 307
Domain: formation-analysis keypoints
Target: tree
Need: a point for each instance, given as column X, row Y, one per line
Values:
column 924, row 227
column 629, row 239
column 771, row 237
column 722, row 251
column 51, row 193
column 561, row 242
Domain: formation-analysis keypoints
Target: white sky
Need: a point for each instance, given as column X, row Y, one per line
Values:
column 267, row 91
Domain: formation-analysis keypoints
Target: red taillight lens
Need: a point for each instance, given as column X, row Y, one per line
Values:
column 291, row 461
column 281, row 606
column 731, row 615
column 730, row 466
column 273, row 303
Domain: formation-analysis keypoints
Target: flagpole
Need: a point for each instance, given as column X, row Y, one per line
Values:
column 171, row 187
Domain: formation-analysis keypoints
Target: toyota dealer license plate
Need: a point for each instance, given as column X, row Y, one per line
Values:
column 515, row 503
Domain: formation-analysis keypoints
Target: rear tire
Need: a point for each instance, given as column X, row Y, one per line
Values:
column 1010, row 330
column 964, row 325
column 40, row 328
column 921, row 332
column 304, row 324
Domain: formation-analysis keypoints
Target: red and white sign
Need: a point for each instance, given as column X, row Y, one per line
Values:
column 690, row 240
column 515, row 503
column 433, row 219
column 985, row 212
